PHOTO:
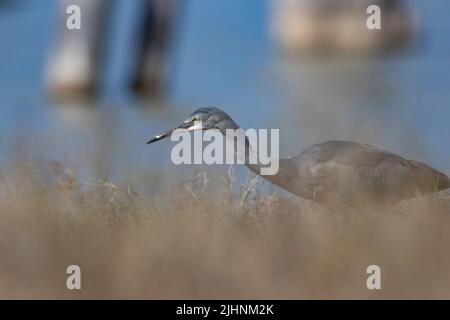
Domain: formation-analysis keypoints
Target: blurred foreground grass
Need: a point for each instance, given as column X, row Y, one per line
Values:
column 188, row 244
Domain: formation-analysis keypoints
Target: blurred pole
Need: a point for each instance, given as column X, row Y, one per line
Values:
column 73, row 66
column 317, row 26
column 154, row 47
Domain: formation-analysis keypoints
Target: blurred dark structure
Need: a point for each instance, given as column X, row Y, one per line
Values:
column 158, row 29
column 75, row 62
column 323, row 26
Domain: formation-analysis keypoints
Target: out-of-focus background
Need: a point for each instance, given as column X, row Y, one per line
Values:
column 79, row 185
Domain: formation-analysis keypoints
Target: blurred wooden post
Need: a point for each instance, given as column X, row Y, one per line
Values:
column 73, row 68
column 313, row 26
column 154, row 47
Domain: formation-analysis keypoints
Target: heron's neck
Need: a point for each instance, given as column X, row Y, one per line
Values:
column 249, row 155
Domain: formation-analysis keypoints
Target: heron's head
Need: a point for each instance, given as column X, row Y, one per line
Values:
column 201, row 119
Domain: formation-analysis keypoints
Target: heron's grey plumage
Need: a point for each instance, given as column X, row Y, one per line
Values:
column 357, row 172
column 352, row 172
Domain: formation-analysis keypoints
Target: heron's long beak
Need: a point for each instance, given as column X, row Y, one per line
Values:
column 184, row 125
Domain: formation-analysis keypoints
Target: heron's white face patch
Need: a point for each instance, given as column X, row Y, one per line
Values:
column 197, row 126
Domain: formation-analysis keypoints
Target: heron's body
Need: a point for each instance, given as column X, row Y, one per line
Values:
column 356, row 173
column 351, row 172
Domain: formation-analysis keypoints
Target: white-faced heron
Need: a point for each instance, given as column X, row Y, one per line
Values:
column 354, row 173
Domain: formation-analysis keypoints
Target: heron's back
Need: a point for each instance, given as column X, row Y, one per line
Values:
column 357, row 172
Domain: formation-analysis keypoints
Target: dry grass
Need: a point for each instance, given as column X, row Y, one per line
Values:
column 188, row 244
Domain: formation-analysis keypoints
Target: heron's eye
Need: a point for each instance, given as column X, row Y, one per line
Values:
column 196, row 119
